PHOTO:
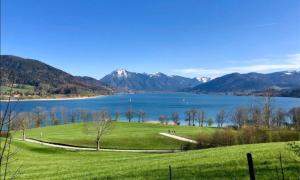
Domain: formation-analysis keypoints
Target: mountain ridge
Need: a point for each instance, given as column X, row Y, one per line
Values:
column 46, row 79
column 236, row 82
column 124, row 79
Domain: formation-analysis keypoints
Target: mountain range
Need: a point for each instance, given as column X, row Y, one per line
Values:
column 251, row 82
column 48, row 80
column 127, row 80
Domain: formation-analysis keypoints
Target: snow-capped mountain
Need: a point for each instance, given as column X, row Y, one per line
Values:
column 158, row 81
column 237, row 82
column 203, row 79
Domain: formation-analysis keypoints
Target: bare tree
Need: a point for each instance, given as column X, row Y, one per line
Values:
column 279, row 117
column 141, row 116
column 73, row 113
column 188, row 117
column 175, row 118
column 201, row 117
column 39, row 114
column 22, row 123
column 268, row 108
column 100, row 124
column 193, row 116
column 7, row 118
column 240, row 116
column 294, row 114
column 256, row 116
column 129, row 114
column 63, row 115
column 53, row 116
column 221, row 118
column 163, row 119
column 117, row 116
column 84, row 115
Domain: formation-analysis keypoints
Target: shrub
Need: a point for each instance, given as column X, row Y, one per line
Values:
column 224, row 137
column 247, row 135
column 262, row 136
column 189, row 146
column 293, row 146
column 204, row 141
column 289, row 135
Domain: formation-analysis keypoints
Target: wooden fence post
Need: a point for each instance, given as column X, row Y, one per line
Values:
column 170, row 172
column 282, row 173
column 251, row 166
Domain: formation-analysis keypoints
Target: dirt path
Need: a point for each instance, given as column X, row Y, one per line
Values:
column 179, row 138
column 94, row 149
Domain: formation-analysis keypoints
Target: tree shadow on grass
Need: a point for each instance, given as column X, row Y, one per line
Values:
column 45, row 150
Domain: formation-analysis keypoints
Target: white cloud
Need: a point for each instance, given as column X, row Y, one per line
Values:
column 290, row 62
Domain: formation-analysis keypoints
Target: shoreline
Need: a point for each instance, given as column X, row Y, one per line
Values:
column 54, row 99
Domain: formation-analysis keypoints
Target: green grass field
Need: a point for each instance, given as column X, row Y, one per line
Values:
column 41, row 162
column 121, row 136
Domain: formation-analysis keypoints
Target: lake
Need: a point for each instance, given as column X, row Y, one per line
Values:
column 156, row 104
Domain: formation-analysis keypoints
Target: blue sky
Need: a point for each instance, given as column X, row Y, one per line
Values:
column 184, row 37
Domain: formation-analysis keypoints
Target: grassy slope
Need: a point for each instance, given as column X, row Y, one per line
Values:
column 40, row 162
column 122, row 135
column 20, row 88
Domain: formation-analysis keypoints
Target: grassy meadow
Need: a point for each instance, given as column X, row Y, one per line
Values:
column 40, row 162
column 121, row 136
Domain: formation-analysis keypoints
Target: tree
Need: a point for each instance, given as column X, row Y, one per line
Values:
column 188, row 117
column 279, row 117
column 256, row 116
column 163, row 119
column 201, row 117
column 100, row 124
column 193, row 116
column 63, row 115
column 240, row 116
column 141, row 116
column 210, row 122
column 175, row 118
column 220, row 118
column 22, row 123
column 53, row 116
column 294, row 114
column 84, row 115
column 7, row 118
column 129, row 114
column 117, row 116
column 39, row 114
column 73, row 115
column 267, row 108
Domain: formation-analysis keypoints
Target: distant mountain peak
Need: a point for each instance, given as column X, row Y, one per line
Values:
column 157, row 74
column 203, row 79
column 158, row 81
column 121, row 72
column 290, row 72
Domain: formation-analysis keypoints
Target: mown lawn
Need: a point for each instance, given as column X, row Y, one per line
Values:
column 121, row 136
column 41, row 162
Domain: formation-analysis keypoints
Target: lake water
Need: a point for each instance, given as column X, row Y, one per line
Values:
column 156, row 104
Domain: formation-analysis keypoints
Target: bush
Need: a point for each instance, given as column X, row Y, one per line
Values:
column 204, row 141
column 247, row 135
column 289, row 135
column 189, row 146
column 224, row 137
column 262, row 136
